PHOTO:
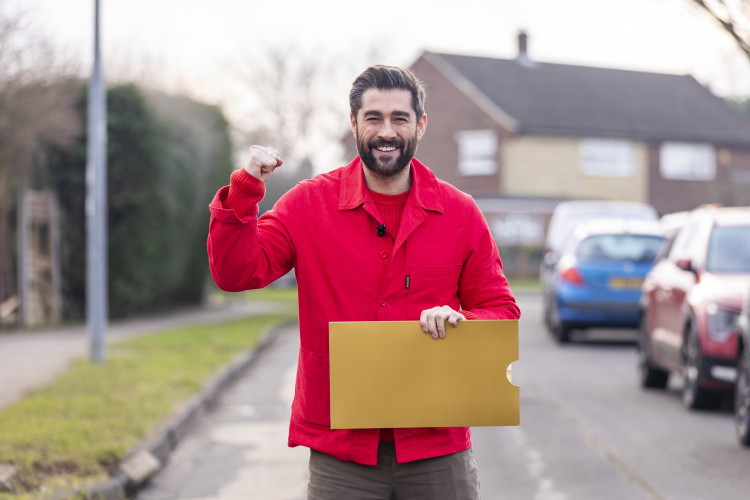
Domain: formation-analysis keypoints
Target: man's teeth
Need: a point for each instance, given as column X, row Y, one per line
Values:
column 386, row 148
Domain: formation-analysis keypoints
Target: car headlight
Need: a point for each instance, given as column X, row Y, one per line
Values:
column 721, row 322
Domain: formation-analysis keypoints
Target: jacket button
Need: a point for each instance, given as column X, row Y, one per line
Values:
column 383, row 302
column 384, row 255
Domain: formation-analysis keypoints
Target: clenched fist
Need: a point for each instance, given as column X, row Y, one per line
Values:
column 263, row 161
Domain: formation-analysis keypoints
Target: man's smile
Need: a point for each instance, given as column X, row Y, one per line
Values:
column 387, row 147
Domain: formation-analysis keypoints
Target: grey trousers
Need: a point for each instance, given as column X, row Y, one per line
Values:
column 450, row 477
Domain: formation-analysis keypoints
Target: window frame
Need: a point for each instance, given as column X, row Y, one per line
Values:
column 687, row 161
column 473, row 163
column 614, row 158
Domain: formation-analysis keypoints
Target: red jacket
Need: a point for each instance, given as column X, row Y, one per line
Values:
column 326, row 229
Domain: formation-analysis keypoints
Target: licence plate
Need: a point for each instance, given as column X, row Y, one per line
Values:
column 625, row 283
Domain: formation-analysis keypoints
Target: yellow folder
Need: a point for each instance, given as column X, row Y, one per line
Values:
column 391, row 374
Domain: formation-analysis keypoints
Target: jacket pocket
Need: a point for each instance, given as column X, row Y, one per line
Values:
column 431, row 286
column 312, row 390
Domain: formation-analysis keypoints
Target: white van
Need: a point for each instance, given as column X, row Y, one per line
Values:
column 568, row 214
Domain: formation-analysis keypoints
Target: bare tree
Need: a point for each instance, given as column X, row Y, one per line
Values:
column 734, row 17
column 293, row 106
column 36, row 105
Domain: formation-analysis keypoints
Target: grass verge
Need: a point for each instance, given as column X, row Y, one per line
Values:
column 77, row 428
column 525, row 286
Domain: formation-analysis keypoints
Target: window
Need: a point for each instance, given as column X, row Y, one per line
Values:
column 607, row 158
column 477, row 152
column 632, row 247
column 729, row 250
column 687, row 161
column 518, row 229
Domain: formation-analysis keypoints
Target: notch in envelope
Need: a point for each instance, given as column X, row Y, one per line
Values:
column 391, row 374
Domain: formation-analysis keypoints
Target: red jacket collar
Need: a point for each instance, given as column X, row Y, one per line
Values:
column 425, row 190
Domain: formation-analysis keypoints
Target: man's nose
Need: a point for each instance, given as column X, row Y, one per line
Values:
column 387, row 131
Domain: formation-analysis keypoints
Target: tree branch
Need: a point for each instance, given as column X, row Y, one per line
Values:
column 730, row 24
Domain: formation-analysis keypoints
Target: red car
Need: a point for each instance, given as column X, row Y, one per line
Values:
column 690, row 304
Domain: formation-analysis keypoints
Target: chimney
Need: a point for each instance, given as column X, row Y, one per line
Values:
column 522, row 44
column 523, row 55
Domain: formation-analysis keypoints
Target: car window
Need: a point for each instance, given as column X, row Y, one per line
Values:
column 729, row 250
column 633, row 247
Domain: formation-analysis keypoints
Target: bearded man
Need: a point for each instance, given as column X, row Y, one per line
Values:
column 380, row 239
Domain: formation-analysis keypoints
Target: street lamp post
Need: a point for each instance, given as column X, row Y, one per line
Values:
column 96, row 206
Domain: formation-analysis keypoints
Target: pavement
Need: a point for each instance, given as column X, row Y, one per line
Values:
column 31, row 358
column 238, row 450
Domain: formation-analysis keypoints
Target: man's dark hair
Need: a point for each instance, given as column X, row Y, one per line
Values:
column 387, row 78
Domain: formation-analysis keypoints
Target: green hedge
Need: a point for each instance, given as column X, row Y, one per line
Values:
column 166, row 156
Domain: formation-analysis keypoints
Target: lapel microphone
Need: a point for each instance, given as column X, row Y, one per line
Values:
column 381, row 230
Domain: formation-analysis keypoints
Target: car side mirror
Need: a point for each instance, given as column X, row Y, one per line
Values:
column 685, row 264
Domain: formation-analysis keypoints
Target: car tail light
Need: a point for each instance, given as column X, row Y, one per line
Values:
column 721, row 322
column 571, row 275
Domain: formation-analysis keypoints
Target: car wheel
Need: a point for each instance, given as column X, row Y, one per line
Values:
column 649, row 376
column 562, row 332
column 559, row 328
column 742, row 400
column 546, row 312
column 693, row 395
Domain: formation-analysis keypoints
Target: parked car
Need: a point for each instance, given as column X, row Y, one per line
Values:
column 690, row 305
column 565, row 218
column 597, row 279
column 742, row 386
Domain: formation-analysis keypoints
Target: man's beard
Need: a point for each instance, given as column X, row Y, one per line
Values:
column 390, row 167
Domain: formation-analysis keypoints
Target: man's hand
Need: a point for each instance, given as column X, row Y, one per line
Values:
column 263, row 161
column 433, row 320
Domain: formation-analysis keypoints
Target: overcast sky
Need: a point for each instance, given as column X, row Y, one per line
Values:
column 194, row 36
column 198, row 40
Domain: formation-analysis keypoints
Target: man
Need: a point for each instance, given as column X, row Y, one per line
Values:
column 379, row 239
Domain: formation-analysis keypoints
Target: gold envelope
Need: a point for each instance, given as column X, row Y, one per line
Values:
column 391, row 374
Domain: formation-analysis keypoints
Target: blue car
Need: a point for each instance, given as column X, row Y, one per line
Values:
column 598, row 276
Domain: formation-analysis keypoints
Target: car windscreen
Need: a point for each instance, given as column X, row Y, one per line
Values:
column 729, row 250
column 632, row 247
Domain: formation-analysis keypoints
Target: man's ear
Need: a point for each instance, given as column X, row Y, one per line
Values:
column 353, row 119
column 421, row 126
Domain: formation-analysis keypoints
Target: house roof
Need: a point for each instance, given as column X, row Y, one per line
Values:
column 557, row 99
